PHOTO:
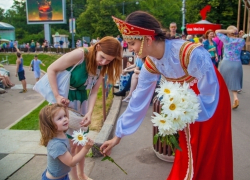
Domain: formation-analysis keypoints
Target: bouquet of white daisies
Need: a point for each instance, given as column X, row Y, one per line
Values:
column 179, row 106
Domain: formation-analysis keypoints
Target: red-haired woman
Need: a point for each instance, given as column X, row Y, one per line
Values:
column 211, row 46
column 92, row 64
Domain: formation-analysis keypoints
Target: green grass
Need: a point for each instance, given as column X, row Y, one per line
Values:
column 47, row 59
column 31, row 121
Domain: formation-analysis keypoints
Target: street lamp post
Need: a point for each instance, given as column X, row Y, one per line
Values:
column 183, row 16
column 72, row 25
column 123, row 8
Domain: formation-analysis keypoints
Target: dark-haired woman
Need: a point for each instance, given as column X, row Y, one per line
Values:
column 92, row 64
column 207, row 144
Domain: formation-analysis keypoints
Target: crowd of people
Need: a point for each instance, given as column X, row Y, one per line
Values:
column 5, row 81
column 204, row 64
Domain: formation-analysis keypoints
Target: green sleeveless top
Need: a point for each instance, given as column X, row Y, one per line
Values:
column 80, row 81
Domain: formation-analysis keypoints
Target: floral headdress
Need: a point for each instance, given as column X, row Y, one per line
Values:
column 130, row 31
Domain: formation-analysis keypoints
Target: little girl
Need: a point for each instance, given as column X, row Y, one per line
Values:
column 53, row 120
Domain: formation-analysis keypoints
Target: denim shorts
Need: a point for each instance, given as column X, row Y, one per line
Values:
column 21, row 75
column 44, row 177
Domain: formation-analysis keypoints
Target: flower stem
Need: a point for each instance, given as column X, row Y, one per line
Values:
column 109, row 158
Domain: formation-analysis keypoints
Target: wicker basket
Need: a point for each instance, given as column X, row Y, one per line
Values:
column 162, row 151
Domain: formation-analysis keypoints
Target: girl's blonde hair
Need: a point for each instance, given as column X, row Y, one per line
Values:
column 112, row 47
column 47, row 127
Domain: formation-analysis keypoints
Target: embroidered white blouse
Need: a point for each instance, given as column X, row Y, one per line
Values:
column 200, row 67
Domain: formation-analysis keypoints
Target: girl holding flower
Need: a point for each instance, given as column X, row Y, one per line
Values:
column 53, row 121
column 207, row 143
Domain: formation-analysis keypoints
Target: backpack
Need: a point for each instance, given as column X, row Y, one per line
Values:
column 32, row 65
column 245, row 57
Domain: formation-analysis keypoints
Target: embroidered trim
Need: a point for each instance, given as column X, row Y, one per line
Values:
column 190, row 169
column 150, row 66
column 184, row 55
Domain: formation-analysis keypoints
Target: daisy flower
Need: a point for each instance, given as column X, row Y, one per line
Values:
column 168, row 89
column 163, row 132
column 79, row 138
column 161, row 121
column 179, row 106
column 174, row 108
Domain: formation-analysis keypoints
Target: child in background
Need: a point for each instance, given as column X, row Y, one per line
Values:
column 53, row 121
column 35, row 66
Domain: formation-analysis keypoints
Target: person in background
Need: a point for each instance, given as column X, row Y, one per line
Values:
column 190, row 38
column 45, row 45
column 35, row 65
column 231, row 66
column 125, row 46
column 20, row 70
column 80, row 43
column 125, row 78
column 4, row 76
column 173, row 28
column 93, row 42
column 37, row 45
column 211, row 46
column 119, row 39
column 184, row 37
column 77, row 44
column 134, row 80
column 11, row 45
column 32, row 46
column 6, row 81
column 196, row 39
column 27, row 46
column 219, row 44
column 179, row 61
column 15, row 44
column 61, row 43
column 200, row 41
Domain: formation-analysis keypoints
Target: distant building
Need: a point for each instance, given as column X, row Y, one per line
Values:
column 7, row 31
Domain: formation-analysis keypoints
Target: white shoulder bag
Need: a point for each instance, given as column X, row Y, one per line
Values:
column 63, row 83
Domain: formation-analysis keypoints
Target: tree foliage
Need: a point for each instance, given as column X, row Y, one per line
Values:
column 93, row 17
column 222, row 12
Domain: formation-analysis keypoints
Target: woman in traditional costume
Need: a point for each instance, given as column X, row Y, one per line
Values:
column 207, row 144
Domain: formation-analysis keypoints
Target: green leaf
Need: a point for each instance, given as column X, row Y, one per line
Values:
column 175, row 142
column 86, row 131
column 155, row 139
column 105, row 158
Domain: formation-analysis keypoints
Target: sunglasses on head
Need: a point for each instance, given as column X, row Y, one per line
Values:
column 235, row 34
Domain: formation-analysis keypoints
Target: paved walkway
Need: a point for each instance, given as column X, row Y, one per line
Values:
column 22, row 158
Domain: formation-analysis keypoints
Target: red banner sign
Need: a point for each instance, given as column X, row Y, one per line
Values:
column 201, row 28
